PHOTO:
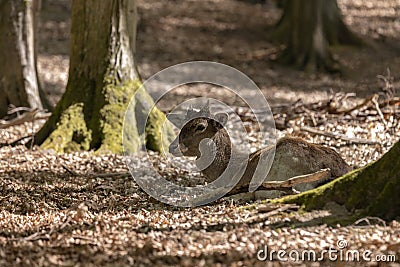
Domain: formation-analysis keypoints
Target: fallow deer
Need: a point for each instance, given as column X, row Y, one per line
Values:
column 293, row 156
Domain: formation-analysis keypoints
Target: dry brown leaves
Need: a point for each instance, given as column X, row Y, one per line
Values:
column 71, row 209
column 55, row 210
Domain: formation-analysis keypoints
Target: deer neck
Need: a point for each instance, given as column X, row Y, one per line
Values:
column 220, row 146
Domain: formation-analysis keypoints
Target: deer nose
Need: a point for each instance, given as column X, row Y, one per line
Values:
column 173, row 148
column 177, row 149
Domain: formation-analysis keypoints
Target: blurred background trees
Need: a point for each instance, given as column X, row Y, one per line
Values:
column 308, row 28
column 236, row 33
column 19, row 82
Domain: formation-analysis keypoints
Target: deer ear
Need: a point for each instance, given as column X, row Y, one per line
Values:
column 222, row 118
column 201, row 127
column 176, row 119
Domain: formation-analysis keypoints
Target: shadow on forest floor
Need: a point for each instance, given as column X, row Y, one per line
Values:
column 54, row 213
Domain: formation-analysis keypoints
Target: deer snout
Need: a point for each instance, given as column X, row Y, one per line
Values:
column 173, row 148
column 176, row 149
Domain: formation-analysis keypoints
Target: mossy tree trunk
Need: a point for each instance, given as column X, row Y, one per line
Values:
column 308, row 28
column 19, row 83
column 102, row 81
column 370, row 191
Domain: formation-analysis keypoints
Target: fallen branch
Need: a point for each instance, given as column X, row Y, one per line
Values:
column 301, row 179
column 65, row 167
column 109, row 175
column 390, row 102
column 367, row 221
column 365, row 103
column 375, row 101
column 284, row 186
column 339, row 136
column 18, row 109
column 16, row 142
column 29, row 116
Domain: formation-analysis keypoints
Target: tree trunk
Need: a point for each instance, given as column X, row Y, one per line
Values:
column 370, row 191
column 19, row 84
column 102, row 81
column 308, row 28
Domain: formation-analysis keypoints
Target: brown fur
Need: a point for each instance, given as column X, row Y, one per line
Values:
column 293, row 156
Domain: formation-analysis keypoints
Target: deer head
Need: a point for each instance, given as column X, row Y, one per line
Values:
column 201, row 125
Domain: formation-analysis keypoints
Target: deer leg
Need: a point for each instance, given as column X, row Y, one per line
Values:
column 241, row 197
column 301, row 179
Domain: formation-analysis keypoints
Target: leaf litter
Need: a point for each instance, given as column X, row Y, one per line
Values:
column 79, row 209
column 65, row 209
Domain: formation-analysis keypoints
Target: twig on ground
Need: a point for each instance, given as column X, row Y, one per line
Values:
column 368, row 220
column 37, row 236
column 356, row 107
column 33, row 237
column 115, row 174
column 16, row 142
column 26, row 117
column 339, row 136
column 390, row 102
column 376, row 104
column 54, row 228
column 14, row 109
column 65, row 167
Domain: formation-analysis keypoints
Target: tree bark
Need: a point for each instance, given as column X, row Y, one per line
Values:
column 102, row 81
column 19, row 84
column 370, row 191
column 308, row 28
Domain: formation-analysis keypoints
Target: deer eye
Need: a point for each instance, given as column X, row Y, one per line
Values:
column 200, row 128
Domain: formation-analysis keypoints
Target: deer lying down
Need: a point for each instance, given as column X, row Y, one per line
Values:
column 293, row 156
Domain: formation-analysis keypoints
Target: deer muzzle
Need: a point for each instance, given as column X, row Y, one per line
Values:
column 177, row 149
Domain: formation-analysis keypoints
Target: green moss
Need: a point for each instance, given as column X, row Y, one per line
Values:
column 338, row 191
column 158, row 135
column 70, row 133
column 117, row 97
column 130, row 132
column 158, row 129
column 97, row 121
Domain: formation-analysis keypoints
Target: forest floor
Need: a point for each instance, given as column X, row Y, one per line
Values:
column 72, row 210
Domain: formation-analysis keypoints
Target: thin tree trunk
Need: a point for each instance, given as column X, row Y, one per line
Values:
column 102, row 80
column 19, row 83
